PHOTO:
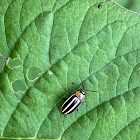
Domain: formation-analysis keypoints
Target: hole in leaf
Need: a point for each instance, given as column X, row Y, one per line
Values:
column 14, row 63
column 1, row 63
column 33, row 72
column 99, row 6
column 50, row 72
column 19, row 85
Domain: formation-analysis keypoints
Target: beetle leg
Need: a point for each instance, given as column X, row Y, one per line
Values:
column 77, row 109
column 82, row 84
column 78, row 88
column 86, row 104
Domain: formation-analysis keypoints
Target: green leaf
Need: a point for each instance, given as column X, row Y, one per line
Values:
column 1, row 63
column 69, row 40
column 130, row 4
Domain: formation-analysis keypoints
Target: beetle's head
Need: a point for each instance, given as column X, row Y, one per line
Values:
column 83, row 91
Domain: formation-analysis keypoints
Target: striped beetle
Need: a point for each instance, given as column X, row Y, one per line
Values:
column 72, row 102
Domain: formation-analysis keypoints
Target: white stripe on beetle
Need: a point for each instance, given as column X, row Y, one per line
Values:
column 74, row 105
column 68, row 104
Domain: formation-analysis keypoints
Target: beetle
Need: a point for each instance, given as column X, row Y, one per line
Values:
column 73, row 102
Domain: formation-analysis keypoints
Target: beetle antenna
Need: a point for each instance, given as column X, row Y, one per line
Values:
column 82, row 83
column 92, row 91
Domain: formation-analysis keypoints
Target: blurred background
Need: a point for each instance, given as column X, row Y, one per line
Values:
column 133, row 5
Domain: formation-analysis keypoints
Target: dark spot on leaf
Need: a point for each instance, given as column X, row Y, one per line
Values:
column 73, row 83
column 27, row 115
column 99, row 6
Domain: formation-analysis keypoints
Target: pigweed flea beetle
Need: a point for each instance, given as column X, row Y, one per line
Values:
column 72, row 102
